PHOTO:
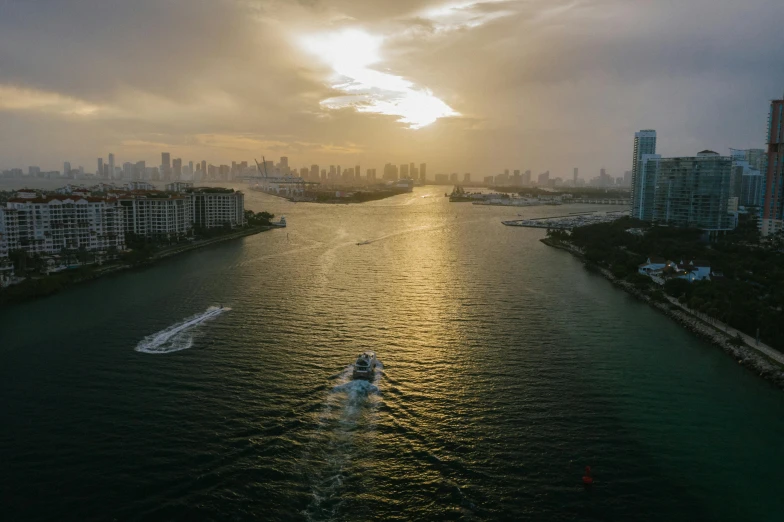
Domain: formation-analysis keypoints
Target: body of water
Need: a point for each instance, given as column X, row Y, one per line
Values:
column 508, row 367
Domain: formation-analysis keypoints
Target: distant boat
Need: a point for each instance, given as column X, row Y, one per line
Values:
column 366, row 242
column 280, row 224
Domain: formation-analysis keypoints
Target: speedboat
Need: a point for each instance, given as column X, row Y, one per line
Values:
column 365, row 367
column 366, row 242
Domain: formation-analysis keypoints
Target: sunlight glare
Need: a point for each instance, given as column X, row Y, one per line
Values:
column 350, row 53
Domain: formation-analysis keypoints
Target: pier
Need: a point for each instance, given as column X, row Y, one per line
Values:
column 567, row 222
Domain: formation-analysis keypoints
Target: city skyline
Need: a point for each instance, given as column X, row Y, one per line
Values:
column 559, row 72
column 168, row 161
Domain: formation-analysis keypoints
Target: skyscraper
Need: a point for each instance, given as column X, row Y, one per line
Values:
column 66, row 169
column 111, row 165
column 644, row 143
column 423, row 172
column 773, row 202
column 99, row 172
column 574, row 178
column 686, row 192
column 177, row 168
column 166, row 166
column 403, row 171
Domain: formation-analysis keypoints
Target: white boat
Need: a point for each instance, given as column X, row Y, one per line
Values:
column 365, row 367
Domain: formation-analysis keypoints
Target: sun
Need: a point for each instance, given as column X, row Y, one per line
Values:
column 350, row 53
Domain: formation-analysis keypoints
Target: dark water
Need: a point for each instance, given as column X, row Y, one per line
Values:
column 508, row 368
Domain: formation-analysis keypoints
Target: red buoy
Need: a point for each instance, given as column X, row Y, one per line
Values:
column 587, row 479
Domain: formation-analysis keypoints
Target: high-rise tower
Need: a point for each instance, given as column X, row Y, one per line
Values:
column 773, row 201
column 644, row 143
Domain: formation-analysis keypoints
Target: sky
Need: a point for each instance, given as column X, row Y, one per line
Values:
column 465, row 86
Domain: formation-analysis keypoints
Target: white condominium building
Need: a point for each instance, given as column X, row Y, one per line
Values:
column 213, row 208
column 157, row 214
column 53, row 223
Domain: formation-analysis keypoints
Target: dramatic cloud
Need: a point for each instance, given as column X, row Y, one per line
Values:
column 473, row 86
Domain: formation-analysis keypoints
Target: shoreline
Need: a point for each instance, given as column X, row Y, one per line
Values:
column 745, row 354
column 99, row 272
column 335, row 201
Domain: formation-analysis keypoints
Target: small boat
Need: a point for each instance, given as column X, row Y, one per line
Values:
column 280, row 224
column 365, row 367
column 366, row 242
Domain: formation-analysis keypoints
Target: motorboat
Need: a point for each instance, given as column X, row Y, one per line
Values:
column 280, row 224
column 365, row 366
column 366, row 242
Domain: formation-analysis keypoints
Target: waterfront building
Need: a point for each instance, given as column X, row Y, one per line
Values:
column 752, row 188
column 467, row 177
column 404, row 171
column 544, row 178
column 644, row 145
column 773, row 199
column 156, row 214
column 177, row 186
column 685, row 192
column 218, row 207
column 47, row 225
column 747, row 180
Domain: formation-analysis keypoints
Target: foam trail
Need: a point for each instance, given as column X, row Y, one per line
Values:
column 177, row 336
column 349, row 406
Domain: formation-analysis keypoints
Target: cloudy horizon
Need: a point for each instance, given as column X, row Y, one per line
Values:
column 465, row 86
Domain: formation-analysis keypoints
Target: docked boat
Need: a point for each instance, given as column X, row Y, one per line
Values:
column 365, row 367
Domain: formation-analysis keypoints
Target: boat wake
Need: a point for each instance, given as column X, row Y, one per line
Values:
column 179, row 335
column 345, row 432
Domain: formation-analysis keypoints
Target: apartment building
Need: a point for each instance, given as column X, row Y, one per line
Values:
column 53, row 223
column 218, row 207
column 156, row 214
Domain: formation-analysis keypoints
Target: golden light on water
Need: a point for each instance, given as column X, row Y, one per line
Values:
column 350, row 54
